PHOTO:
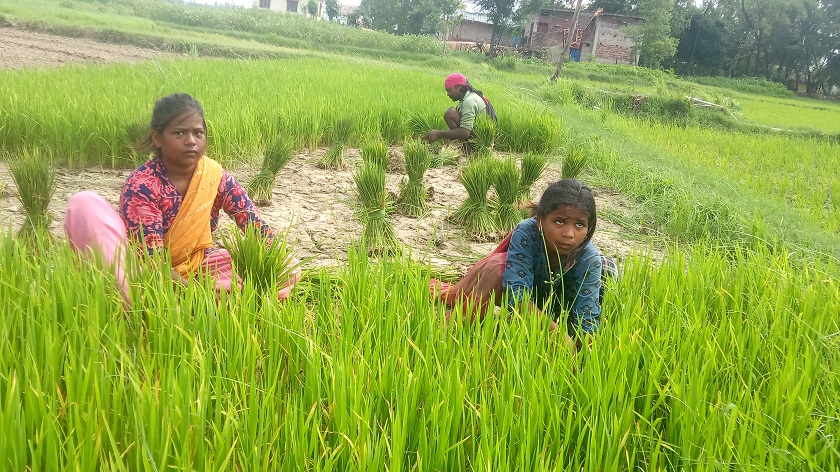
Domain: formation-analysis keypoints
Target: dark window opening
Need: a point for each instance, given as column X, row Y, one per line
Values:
column 292, row 5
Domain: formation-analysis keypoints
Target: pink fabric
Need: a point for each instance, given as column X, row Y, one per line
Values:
column 482, row 282
column 93, row 226
column 453, row 80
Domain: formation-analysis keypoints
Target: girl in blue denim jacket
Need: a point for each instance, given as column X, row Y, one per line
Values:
column 548, row 261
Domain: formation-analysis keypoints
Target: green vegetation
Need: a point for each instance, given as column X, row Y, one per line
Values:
column 704, row 357
column 722, row 355
column 34, row 176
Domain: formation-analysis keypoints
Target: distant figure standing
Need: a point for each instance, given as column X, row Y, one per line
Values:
column 461, row 119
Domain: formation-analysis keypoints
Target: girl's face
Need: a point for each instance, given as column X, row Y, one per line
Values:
column 564, row 229
column 184, row 141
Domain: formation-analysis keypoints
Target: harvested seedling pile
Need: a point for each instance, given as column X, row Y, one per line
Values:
column 412, row 201
column 378, row 234
column 277, row 155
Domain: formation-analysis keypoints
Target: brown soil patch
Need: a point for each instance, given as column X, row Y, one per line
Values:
column 27, row 49
column 319, row 205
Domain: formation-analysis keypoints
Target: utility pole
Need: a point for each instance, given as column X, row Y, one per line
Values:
column 567, row 44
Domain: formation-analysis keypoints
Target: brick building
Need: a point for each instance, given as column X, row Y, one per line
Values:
column 601, row 36
column 476, row 27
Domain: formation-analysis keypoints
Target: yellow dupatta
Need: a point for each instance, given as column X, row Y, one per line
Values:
column 190, row 233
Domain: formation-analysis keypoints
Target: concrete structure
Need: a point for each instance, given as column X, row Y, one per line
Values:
column 600, row 37
column 291, row 6
column 476, row 28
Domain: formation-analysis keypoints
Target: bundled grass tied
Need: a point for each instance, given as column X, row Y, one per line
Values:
column 34, row 176
column 412, row 201
column 391, row 125
column 334, row 157
column 277, row 154
column 474, row 214
column 375, row 151
column 447, row 154
column 419, row 125
column 260, row 259
column 378, row 233
column 532, row 167
column 506, row 180
column 575, row 159
column 483, row 136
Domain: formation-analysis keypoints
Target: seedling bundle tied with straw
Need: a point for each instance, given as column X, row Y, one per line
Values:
column 277, row 155
column 474, row 214
column 412, row 201
column 375, row 151
column 483, row 136
column 259, row 259
column 34, row 176
column 378, row 234
column 506, row 181
column 342, row 131
column 533, row 165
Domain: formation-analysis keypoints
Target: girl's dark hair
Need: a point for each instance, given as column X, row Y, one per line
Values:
column 167, row 110
column 569, row 192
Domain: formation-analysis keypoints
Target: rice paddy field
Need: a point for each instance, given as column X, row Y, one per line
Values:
column 720, row 344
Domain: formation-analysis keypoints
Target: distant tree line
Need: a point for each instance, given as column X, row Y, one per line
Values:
column 796, row 42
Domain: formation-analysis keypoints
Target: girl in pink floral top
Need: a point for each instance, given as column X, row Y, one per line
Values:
column 171, row 202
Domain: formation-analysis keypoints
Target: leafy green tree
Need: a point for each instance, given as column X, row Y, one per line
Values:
column 408, row 16
column 510, row 15
column 312, row 7
column 333, row 9
column 652, row 38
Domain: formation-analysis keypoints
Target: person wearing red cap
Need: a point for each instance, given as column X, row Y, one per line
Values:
column 460, row 119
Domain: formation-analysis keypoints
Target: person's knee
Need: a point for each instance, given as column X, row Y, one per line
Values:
column 451, row 114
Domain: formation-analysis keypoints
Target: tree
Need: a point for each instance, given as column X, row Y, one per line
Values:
column 408, row 16
column 333, row 9
column 507, row 15
column 312, row 7
column 652, row 38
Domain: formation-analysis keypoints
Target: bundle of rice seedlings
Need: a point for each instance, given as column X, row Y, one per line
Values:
column 261, row 260
column 391, row 125
column 484, row 136
column 446, row 155
column 506, row 181
column 378, row 234
column 277, row 155
column 34, row 176
column 412, row 201
column 533, row 165
column 343, row 129
column 334, row 157
column 375, row 151
column 419, row 124
column 575, row 160
column 474, row 214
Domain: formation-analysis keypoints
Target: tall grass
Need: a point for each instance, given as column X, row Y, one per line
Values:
column 474, row 213
column 702, row 360
column 34, row 176
column 378, row 234
column 277, row 154
column 413, row 192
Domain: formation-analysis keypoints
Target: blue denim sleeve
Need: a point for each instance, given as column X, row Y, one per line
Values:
column 518, row 276
column 583, row 283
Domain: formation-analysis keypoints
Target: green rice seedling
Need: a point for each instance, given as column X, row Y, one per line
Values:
column 474, row 214
column 532, row 166
column 375, row 151
column 447, row 155
column 575, row 160
column 419, row 124
column 277, row 155
column 506, row 179
column 391, row 125
column 334, row 157
column 483, row 136
column 34, row 176
column 378, row 235
column 260, row 260
column 412, row 201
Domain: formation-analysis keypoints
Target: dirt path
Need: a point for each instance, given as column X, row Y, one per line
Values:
column 28, row 49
